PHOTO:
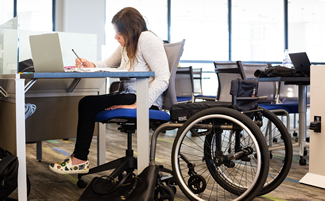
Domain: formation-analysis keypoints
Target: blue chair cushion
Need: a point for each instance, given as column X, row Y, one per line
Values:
column 291, row 106
column 182, row 99
column 154, row 115
column 273, row 107
column 205, row 96
column 290, row 100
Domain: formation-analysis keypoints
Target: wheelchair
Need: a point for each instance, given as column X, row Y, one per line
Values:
column 219, row 153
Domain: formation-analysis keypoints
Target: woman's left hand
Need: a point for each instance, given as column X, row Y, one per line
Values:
column 133, row 106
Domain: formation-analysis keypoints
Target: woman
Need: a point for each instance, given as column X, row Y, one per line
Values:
column 139, row 50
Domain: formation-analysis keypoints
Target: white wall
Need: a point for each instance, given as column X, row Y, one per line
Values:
column 82, row 16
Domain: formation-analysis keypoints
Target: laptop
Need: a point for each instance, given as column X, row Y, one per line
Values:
column 46, row 53
column 301, row 62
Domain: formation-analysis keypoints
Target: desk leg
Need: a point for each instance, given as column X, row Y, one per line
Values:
column 21, row 139
column 142, row 123
column 101, row 144
column 302, row 109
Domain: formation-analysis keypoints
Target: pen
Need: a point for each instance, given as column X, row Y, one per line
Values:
column 78, row 57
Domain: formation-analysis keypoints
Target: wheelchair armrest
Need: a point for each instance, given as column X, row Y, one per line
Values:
column 251, row 98
column 246, row 98
column 262, row 97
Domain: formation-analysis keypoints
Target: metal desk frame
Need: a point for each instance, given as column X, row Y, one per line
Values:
column 302, row 82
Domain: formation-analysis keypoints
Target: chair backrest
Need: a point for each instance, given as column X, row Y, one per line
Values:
column 267, row 89
column 197, row 81
column 184, row 82
column 287, row 91
column 226, row 71
column 290, row 93
column 174, row 53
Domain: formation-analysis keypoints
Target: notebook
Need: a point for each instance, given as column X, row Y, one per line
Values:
column 47, row 55
column 301, row 62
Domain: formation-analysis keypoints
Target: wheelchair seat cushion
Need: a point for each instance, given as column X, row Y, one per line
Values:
column 130, row 115
column 182, row 111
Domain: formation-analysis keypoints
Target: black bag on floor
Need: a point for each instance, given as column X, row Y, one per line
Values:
column 9, row 175
column 130, row 188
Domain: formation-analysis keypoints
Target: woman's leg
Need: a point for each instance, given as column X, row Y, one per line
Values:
column 88, row 108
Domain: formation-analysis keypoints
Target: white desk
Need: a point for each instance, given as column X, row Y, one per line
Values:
column 17, row 96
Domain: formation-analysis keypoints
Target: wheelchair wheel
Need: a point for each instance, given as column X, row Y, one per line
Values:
column 219, row 162
column 281, row 148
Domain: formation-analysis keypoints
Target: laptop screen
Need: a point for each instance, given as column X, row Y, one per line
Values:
column 301, row 62
column 46, row 52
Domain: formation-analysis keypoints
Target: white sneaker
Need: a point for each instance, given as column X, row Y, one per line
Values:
column 66, row 167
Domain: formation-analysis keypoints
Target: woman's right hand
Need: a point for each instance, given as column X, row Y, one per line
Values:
column 84, row 63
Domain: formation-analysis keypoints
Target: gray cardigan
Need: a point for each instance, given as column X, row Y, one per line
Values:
column 151, row 56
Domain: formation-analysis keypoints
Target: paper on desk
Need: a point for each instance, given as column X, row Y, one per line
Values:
column 96, row 70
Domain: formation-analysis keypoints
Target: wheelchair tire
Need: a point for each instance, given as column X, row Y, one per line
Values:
column 190, row 157
column 281, row 161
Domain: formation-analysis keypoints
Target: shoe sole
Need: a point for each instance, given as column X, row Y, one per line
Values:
column 70, row 172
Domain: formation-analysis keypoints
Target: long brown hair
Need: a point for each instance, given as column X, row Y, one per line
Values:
column 130, row 23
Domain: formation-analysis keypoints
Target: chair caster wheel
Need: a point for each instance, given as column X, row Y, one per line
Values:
column 197, row 184
column 307, row 139
column 302, row 161
column 173, row 188
column 295, row 134
column 164, row 193
column 82, row 183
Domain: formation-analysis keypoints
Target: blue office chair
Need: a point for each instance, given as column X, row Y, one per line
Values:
column 188, row 85
column 127, row 119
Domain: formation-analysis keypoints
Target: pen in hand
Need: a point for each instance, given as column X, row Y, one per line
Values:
column 78, row 57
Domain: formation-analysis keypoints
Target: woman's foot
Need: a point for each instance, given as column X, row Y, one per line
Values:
column 71, row 165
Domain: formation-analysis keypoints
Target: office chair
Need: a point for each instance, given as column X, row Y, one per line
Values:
column 197, row 83
column 282, row 103
column 188, row 82
column 127, row 119
column 226, row 71
column 184, row 84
